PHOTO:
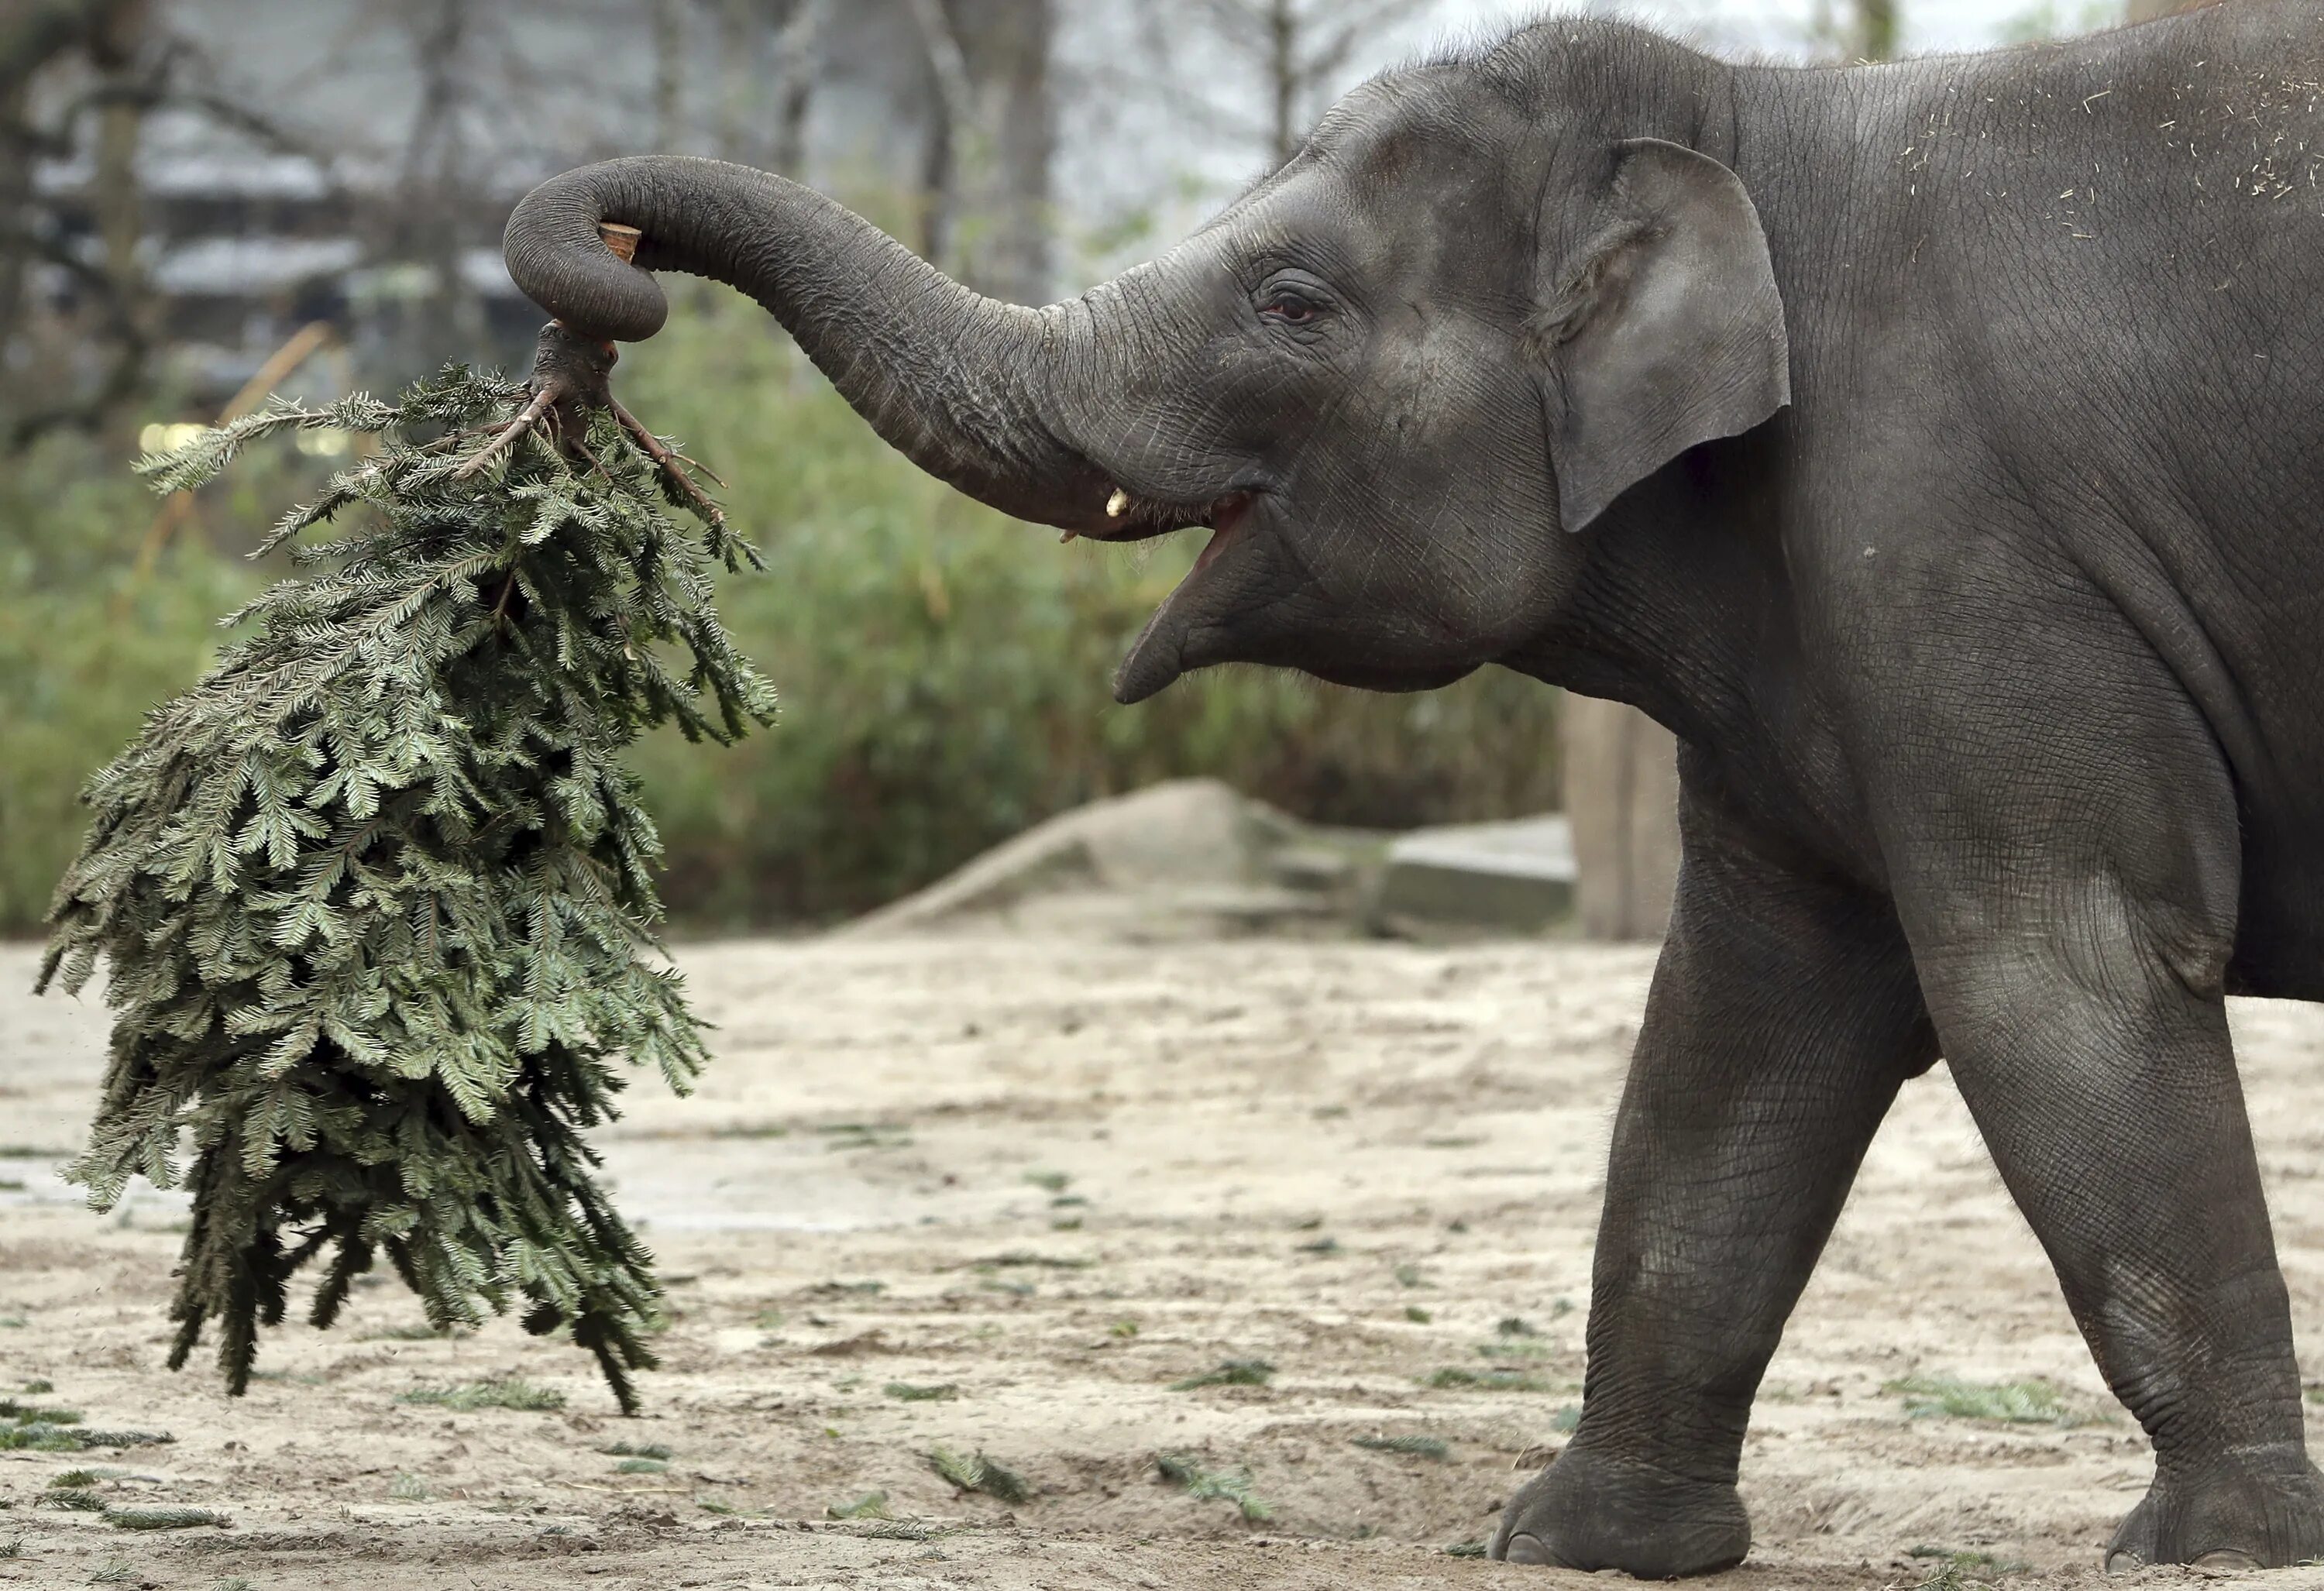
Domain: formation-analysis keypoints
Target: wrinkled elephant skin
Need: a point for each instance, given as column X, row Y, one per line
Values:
column 1934, row 447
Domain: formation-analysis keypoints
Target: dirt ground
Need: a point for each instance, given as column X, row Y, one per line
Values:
column 1058, row 1175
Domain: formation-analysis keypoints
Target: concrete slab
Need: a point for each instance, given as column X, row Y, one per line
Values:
column 1512, row 877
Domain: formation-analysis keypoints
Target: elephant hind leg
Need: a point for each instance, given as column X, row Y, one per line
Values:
column 2230, row 1514
column 2093, row 1049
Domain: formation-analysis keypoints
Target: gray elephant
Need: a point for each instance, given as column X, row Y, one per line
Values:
column 1935, row 447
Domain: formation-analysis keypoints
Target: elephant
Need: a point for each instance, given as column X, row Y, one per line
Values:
column 1921, row 443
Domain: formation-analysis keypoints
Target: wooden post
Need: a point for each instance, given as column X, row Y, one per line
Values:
column 1621, row 796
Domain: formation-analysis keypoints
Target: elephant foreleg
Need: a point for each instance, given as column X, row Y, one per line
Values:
column 1783, row 1017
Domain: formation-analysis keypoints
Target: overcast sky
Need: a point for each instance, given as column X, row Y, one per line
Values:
column 1777, row 25
column 1166, row 125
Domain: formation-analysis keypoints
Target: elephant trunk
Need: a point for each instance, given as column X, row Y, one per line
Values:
column 963, row 385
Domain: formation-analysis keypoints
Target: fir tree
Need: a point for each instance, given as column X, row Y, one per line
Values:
column 377, row 896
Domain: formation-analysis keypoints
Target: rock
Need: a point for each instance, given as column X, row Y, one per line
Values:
column 1191, row 859
column 1186, row 859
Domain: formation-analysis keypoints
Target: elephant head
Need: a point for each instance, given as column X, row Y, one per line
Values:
column 1484, row 299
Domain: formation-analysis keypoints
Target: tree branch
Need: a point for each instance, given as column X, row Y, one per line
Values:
column 949, row 63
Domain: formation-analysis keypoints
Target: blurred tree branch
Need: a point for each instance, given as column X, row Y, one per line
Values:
column 985, row 171
column 78, row 74
column 796, row 52
column 1876, row 30
column 107, row 39
column 1302, row 48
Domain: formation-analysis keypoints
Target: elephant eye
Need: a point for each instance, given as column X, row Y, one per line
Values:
column 1289, row 306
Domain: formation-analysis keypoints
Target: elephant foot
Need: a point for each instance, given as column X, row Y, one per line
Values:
column 2228, row 1515
column 1588, row 1511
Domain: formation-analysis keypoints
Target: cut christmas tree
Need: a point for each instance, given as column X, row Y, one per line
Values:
column 376, row 897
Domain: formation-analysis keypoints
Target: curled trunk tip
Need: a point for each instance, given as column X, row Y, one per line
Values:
column 973, row 390
column 565, row 250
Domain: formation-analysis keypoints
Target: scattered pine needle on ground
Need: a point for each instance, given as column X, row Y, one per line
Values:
column 1416, row 1447
column 973, row 1472
column 487, row 1395
column 1235, row 1485
column 1231, row 1373
column 377, row 896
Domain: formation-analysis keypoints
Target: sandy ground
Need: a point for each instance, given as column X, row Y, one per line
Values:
column 1058, row 1177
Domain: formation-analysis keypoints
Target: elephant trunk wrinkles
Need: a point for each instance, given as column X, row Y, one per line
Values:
column 959, row 384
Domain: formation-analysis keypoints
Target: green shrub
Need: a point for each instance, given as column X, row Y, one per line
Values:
column 1454, row 1376
column 904, row 1392
column 88, row 644
column 654, row 1450
column 871, row 1505
column 30, row 1414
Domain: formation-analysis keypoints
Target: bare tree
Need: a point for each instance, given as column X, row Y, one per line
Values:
column 668, row 21
column 985, row 173
column 796, row 49
column 958, row 121
column 1303, row 47
column 78, row 77
column 436, row 187
column 37, row 42
column 117, row 40
column 1876, row 31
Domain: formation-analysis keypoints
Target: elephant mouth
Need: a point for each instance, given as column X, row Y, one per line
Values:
column 1129, row 518
column 1224, row 580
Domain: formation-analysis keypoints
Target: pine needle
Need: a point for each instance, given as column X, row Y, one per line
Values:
column 1230, row 1372
column 377, row 896
column 904, row 1392
column 1233, row 1485
column 871, row 1505
column 974, row 1472
column 468, row 1396
column 163, row 1519
column 1417, row 1447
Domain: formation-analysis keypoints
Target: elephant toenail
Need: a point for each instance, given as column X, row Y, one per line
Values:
column 2226, row 1557
column 1524, row 1549
column 2124, row 1562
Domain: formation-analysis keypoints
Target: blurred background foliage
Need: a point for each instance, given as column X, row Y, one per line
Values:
column 88, row 644
column 944, row 672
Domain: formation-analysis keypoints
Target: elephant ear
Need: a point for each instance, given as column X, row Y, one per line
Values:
column 1662, row 330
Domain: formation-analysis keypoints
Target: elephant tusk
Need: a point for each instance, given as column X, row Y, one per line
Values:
column 1118, row 504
